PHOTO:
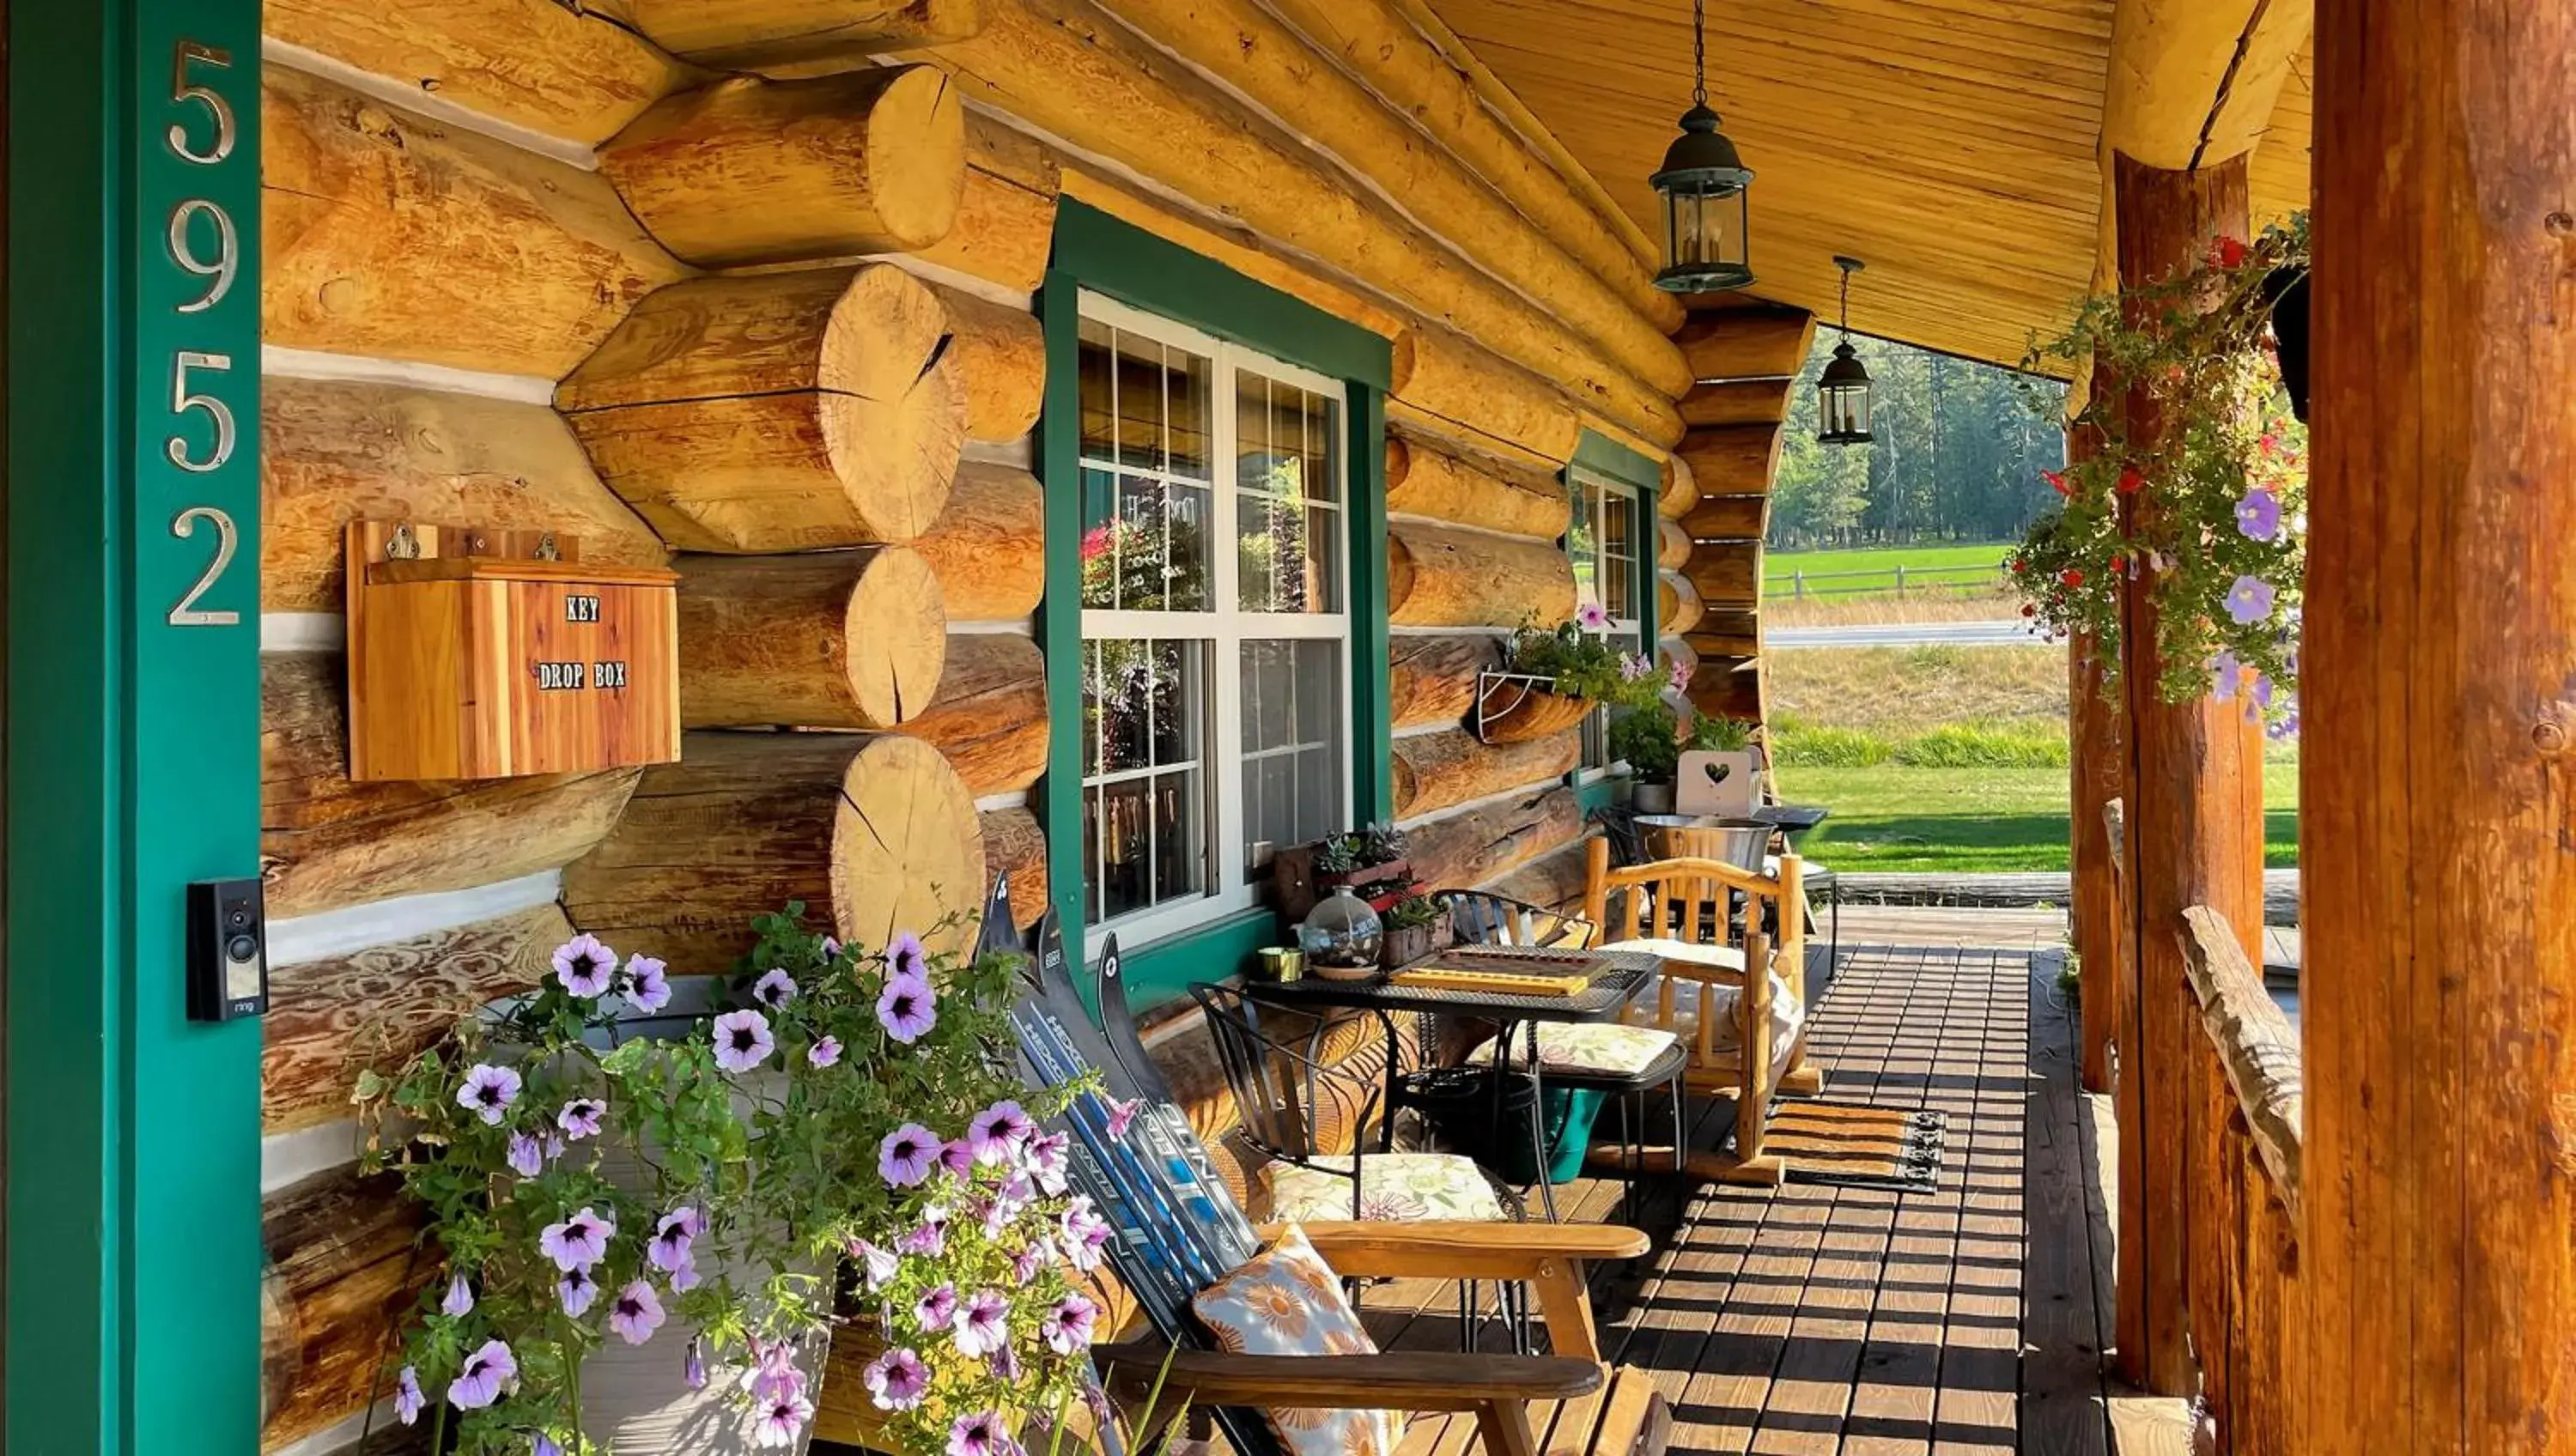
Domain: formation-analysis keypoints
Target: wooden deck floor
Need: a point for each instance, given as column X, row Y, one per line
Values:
column 1855, row 1322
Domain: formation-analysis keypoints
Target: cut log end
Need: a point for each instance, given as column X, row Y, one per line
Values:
column 911, row 848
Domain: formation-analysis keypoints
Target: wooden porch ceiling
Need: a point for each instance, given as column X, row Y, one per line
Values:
column 1950, row 144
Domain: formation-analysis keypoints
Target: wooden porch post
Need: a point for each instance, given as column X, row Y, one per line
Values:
column 2195, row 818
column 2100, row 773
column 2439, row 773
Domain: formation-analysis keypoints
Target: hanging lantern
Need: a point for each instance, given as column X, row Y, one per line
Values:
column 1708, row 220
column 1842, row 391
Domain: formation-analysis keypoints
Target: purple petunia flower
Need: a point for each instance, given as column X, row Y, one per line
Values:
column 668, row 1249
column 585, row 966
column 577, row 1289
column 578, row 1242
column 545, row 1445
column 488, row 1371
column 876, row 1266
column 957, row 1157
column 906, row 1155
column 1028, row 1263
column 782, row 1420
column 2249, row 600
column 896, row 1380
column 648, row 983
column 980, row 1328
column 527, row 1155
column 2258, row 516
column 1085, row 1234
column 905, row 957
column 1679, row 679
column 1067, row 1326
column 636, row 1314
column 693, row 1370
column 937, row 1309
column 581, row 1117
column 1635, row 667
column 977, row 1434
column 408, row 1401
column 2226, row 673
column 2262, row 690
column 831, row 949
column 1006, row 1364
column 929, row 1238
column 460, row 1298
column 1122, row 1114
column 907, row 1008
column 1045, row 1158
column 999, row 1131
column 774, row 990
column 488, row 1092
column 742, row 1040
column 1591, row 618
column 685, row 1278
column 777, row 1377
column 825, row 1052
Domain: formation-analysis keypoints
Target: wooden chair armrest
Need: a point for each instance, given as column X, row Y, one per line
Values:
column 1465, row 1249
column 1407, row 1380
column 1752, row 882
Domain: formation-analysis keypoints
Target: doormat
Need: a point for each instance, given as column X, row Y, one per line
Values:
column 1844, row 1145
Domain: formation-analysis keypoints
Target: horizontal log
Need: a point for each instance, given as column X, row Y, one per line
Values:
column 1733, row 459
column 1439, row 576
column 1728, row 634
column 1728, row 687
column 551, row 68
column 333, row 452
column 777, row 411
column 1553, row 881
column 756, row 171
column 1000, row 353
column 1727, row 574
column 989, row 546
column 329, row 1019
column 1479, row 846
column 2255, row 1043
column 1433, row 679
column 1016, row 846
column 326, row 842
column 1737, row 402
column 1677, row 603
column 1672, row 544
column 823, row 639
column 1277, row 68
column 990, row 717
column 874, row 833
column 1436, row 771
column 345, row 1271
column 1762, row 341
column 1728, row 518
column 756, row 35
column 1680, row 489
column 1424, row 480
column 390, row 235
column 1065, row 67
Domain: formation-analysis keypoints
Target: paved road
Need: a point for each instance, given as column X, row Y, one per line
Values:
column 2011, row 632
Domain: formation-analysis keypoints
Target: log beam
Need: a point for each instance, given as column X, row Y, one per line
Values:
column 777, row 411
column 1479, row 846
column 989, row 546
column 755, row 171
column 345, row 1272
column 1733, row 459
column 1736, row 402
column 1424, row 480
column 1439, row 576
column 875, row 834
column 1727, row 518
column 1435, row 771
column 990, row 718
column 1728, row 687
column 1433, row 679
column 377, row 221
column 823, row 639
column 1754, row 341
column 756, row 35
column 1727, row 574
column 2436, row 1247
column 2193, row 83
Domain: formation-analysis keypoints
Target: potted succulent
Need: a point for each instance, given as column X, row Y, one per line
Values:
column 1411, row 927
column 1551, row 679
column 642, row 1194
column 1370, row 861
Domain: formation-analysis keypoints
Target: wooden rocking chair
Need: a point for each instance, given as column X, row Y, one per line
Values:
column 1681, row 910
column 1178, row 1231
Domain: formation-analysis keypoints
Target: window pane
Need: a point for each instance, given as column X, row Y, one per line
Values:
column 1187, row 384
column 1145, row 829
column 1098, row 440
column 1285, row 529
column 1583, row 543
column 1619, row 554
column 1148, row 551
column 1292, row 752
column 1140, row 416
column 1124, row 868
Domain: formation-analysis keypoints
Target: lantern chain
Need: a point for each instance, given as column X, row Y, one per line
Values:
column 1699, row 52
column 1847, row 273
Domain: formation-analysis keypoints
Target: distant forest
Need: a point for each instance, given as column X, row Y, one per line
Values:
column 1959, row 450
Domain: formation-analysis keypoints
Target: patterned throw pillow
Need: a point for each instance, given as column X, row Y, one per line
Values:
column 1287, row 1301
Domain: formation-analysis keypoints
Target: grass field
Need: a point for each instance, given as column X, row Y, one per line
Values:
column 1975, row 820
column 1957, row 567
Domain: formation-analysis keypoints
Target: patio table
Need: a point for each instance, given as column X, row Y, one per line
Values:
column 1621, row 975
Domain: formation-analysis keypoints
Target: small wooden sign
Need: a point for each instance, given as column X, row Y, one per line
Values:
column 486, row 654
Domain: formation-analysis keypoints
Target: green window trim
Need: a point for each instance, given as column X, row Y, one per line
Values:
column 1098, row 253
column 1606, row 457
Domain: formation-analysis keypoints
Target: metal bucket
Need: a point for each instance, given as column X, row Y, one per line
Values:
column 1739, row 842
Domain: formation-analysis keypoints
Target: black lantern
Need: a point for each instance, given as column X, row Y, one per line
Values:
column 1708, row 221
column 1842, row 391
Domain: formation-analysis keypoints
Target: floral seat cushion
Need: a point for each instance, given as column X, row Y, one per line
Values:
column 1601, row 1050
column 1287, row 1301
column 1394, row 1188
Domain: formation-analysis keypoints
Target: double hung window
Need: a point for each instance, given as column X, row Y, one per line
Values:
column 1604, row 539
column 1215, row 622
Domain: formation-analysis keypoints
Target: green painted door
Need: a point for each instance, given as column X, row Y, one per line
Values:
column 132, row 721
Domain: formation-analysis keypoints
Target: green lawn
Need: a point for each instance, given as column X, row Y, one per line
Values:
column 1779, row 568
column 1974, row 820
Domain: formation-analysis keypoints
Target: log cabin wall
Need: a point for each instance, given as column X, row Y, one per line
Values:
column 762, row 307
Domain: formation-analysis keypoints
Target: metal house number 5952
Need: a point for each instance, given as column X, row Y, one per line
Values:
column 219, row 274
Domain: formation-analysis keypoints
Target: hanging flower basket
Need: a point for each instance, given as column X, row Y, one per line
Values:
column 1513, row 707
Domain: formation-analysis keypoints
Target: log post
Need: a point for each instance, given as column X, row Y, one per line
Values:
column 2196, row 820
column 2099, row 771
column 777, row 411
column 826, row 639
column 754, row 171
column 2437, row 1245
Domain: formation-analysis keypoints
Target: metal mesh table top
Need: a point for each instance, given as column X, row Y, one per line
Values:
column 1624, row 974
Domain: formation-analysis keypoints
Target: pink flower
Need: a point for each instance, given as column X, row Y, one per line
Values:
column 929, row 1239
column 2057, row 482
column 896, row 1380
column 907, row 1008
column 825, row 1052
column 488, row 1092
column 576, row 1289
column 636, row 1314
column 997, row 1132
column 742, row 1040
column 937, row 1309
column 978, row 1434
column 668, row 1249
column 648, row 986
column 584, row 966
column 1680, row 680
column 1046, row 1159
column 1591, row 618
column 1067, row 1326
column 774, row 990
column 781, row 1421
column 877, row 1266
column 578, row 1242
column 907, row 1155
column 905, row 957
column 581, row 1117
column 486, row 1373
column 1121, row 1114
column 527, row 1155
column 957, row 1157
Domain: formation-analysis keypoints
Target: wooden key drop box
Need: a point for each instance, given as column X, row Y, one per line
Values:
column 492, row 654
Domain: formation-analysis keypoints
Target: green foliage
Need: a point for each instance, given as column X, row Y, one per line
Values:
column 1796, row 742
column 1974, row 820
column 1370, row 845
column 1584, row 665
column 1650, row 739
column 1411, row 911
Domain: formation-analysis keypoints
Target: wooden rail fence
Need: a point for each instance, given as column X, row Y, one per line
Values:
column 1798, row 585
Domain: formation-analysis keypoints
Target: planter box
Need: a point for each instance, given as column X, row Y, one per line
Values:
column 1299, row 885
column 1410, row 943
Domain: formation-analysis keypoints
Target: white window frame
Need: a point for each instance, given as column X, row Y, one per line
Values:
column 1602, row 491
column 1224, row 629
